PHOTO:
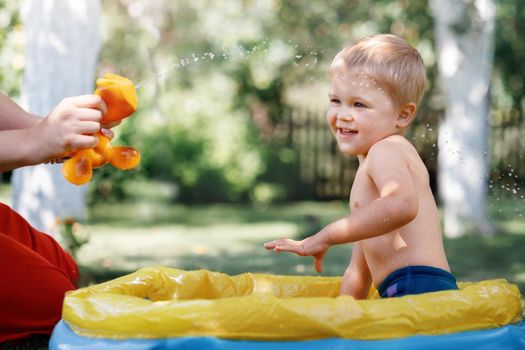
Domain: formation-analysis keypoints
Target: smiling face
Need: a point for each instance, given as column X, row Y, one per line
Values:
column 361, row 112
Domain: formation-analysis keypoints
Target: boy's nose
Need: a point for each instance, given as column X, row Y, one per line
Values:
column 345, row 115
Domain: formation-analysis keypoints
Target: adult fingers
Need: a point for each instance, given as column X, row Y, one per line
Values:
column 89, row 114
column 88, row 127
column 108, row 133
column 90, row 101
column 84, row 141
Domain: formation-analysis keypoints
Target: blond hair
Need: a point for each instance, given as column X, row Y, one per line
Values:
column 389, row 60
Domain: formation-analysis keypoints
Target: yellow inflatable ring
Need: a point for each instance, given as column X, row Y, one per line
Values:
column 162, row 302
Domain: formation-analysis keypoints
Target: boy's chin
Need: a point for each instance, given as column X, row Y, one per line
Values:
column 348, row 151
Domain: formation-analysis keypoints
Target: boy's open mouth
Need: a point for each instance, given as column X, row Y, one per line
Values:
column 346, row 132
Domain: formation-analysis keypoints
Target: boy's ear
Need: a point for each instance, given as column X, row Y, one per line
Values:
column 406, row 115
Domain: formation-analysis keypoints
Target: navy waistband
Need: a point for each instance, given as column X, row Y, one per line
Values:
column 414, row 271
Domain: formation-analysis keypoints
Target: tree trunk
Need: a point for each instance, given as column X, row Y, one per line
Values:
column 464, row 38
column 62, row 51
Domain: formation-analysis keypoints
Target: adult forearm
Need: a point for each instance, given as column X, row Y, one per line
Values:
column 16, row 151
column 12, row 116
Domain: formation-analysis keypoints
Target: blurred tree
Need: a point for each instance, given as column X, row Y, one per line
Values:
column 62, row 48
column 11, row 48
column 227, row 74
column 465, row 40
column 508, row 100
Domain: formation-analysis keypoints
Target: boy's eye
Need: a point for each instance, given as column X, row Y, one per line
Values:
column 359, row 105
column 335, row 101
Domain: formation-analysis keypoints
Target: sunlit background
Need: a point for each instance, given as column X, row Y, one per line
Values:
column 234, row 146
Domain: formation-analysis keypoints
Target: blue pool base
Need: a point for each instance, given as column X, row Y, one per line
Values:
column 511, row 337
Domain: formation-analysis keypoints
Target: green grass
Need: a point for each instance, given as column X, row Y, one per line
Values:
column 229, row 238
column 220, row 237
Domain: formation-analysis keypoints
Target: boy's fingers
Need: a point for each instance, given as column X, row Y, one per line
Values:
column 288, row 247
column 269, row 245
column 318, row 264
column 285, row 245
column 276, row 244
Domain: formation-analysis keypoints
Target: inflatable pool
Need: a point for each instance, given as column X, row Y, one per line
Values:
column 165, row 308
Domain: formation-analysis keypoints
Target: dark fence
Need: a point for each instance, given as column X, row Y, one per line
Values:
column 328, row 174
column 507, row 145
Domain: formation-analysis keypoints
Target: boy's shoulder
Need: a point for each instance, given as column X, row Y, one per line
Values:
column 393, row 151
column 390, row 145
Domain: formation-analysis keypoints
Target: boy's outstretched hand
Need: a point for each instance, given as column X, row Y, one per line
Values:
column 310, row 246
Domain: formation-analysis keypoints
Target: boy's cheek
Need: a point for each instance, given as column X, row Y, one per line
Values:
column 331, row 125
column 331, row 118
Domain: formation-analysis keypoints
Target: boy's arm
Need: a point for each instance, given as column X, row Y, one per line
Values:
column 396, row 206
column 356, row 280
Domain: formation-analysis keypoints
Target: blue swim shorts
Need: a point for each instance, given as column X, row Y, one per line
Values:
column 416, row 280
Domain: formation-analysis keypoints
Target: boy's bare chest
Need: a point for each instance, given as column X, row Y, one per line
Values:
column 363, row 190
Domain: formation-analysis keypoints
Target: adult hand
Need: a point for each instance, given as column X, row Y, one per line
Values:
column 70, row 126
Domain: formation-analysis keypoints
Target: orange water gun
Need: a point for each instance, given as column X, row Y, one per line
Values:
column 121, row 99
